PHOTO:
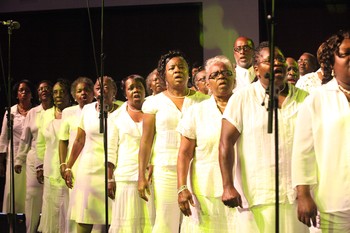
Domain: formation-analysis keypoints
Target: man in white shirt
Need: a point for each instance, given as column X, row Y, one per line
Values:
column 243, row 52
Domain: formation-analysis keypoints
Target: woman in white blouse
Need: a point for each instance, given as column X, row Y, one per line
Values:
column 129, row 212
column 200, row 129
column 162, row 113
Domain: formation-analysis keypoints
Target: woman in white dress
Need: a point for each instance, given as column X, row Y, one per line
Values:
column 129, row 212
column 82, row 91
column 24, row 91
column 27, row 156
column 200, row 129
column 88, row 208
column 55, row 195
column 162, row 113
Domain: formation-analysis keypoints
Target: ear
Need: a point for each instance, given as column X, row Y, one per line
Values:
column 257, row 73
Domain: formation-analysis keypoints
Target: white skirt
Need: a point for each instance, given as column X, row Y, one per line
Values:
column 130, row 213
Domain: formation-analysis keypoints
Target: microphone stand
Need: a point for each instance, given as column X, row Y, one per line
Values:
column 12, row 215
column 273, row 107
column 103, row 118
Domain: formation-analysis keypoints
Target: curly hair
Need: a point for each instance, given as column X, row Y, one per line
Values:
column 333, row 44
column 164, row 59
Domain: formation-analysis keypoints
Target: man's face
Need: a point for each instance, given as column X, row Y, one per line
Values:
column 243, row 52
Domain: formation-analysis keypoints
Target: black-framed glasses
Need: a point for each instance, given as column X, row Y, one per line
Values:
column 201, row 80
column 303, row 61
column 276, row 59
column 216, row 74
column 245, row 48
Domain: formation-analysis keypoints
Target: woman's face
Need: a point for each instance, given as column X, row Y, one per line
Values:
column 176, row 72
column 60, row 96
column 24, row 93
column 83, row 94
column 262, row 69
column 44, row 92
column 157, row 84
column 108, row 91
column 221, row 79
column 134, row 91
column 342, row 62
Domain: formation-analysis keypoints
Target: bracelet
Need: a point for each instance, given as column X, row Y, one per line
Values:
column 182, row 188
column 62, row 164
column 111, row 180
column 67, row 169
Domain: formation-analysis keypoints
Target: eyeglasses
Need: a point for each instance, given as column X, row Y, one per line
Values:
column 245, row 48
column 201, row 80
column 23, row 90
column 45, row 88
column 303, row 61
column 295, row 69
column 276, row 59
column 216, row 74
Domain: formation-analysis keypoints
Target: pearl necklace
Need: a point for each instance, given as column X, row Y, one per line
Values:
column 179, row 97
column 344, row 90
column 133, row 109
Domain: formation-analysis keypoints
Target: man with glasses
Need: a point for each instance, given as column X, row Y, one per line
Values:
column 243, row 52
column 252, row 169
column 307, row 64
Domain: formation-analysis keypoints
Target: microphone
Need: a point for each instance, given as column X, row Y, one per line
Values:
column 11, row 23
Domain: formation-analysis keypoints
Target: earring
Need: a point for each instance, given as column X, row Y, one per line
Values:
column 333, row 75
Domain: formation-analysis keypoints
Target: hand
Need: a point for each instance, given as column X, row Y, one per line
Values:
column 231, row 197
column 143, row 187
column 185, row 199
column 307, row 210
column 18, row 169
column 111, row 189
column 68, row 177
column 40, row 176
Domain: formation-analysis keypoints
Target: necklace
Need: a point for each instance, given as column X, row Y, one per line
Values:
column 21, row 110
column 284, row 87
column 179, row 97
column 344, row 90
column 133, row 109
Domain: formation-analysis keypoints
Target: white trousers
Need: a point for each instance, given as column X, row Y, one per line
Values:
column 167, row 210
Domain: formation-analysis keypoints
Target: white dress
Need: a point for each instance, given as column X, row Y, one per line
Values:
column 26, row 158
column 55, row 196
column 202, row 122
column 129, row 212
column 164, row 158
column 19, row 179
column 88, row 195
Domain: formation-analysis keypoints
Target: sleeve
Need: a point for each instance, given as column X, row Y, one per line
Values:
column 25, row 141
column 113, row 138
column 149, row 106
column 40, row 144
column 304, row 170
column 3, row 136
column 64, row 128
column 233, row 112
column 187, row 126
